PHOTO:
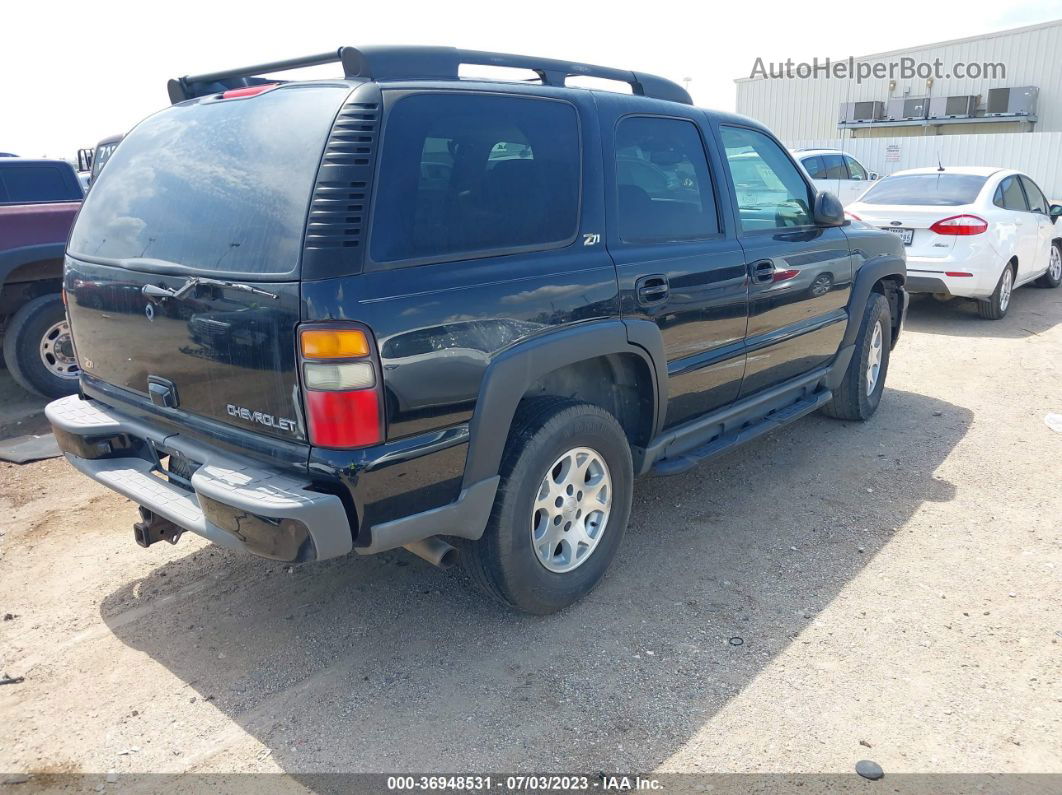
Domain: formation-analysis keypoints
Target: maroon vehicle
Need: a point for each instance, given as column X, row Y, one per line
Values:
column 38, row 202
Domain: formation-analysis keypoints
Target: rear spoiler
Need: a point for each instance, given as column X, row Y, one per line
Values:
column 421, row 63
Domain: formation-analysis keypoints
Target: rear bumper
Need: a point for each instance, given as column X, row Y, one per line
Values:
column 230, row 501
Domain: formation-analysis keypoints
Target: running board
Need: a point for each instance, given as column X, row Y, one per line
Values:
column 727, row 441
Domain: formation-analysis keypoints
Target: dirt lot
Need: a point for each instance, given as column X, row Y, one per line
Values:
column 895, row 583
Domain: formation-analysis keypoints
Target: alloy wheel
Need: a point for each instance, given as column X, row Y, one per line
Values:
column 571, row 509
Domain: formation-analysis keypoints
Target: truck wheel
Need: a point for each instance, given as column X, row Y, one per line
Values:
column 561, row 509
column 38, row 349
column 995, row 307
column 1053, row 277
column 859, row 394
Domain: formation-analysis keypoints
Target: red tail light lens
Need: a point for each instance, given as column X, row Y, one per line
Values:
column 340, row 378
column 852, row 216
column 960, row 225
column 343, row 419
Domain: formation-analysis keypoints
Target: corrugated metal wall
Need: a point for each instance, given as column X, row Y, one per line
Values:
column 798, row 109
column 1037, row 154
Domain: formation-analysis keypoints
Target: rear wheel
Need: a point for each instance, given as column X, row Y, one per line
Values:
column 561, row 510
column 1053, row 277
column 859, row 393
column 996, row 306
column 38, row 349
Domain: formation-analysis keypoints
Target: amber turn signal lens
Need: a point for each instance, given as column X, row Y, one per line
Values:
column 334, row 344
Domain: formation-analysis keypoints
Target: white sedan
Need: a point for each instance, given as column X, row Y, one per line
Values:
column 969, row 232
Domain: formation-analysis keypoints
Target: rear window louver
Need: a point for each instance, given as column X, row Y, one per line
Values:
column 335, row 227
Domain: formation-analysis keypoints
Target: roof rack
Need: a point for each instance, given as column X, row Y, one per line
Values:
column 422, row 63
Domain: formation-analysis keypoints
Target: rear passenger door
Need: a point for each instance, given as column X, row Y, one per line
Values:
column 800, row 274
column 1041, row 229
column 678, row 262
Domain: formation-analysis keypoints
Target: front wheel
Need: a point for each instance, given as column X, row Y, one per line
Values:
column 561, row 509
column 38, row 348
column 1053, row 277
column 859, row 393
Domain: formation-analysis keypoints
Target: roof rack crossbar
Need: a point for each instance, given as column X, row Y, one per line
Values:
column 424, row 63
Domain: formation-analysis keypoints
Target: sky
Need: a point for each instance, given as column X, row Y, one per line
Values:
column 73, row 73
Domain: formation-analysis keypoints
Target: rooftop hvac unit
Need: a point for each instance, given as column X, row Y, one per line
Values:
column 1012, row 101
column 907, row 109
column 961, row 107
column 862, row 111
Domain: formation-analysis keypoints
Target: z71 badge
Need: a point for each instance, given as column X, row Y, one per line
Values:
column 261, row 418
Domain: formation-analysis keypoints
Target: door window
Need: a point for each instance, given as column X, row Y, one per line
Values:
column 462, row 173
column 663, row 188
column 1009, row 195
column 815, row 167
column 1037, row 202
column 835, row 168
column 855, row 170
column 770, row 191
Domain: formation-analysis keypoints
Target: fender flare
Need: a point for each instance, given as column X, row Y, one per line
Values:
column 512, row 373
column 17, row 257
column 870, row 272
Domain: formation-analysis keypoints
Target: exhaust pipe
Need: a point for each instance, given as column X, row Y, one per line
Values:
column 434, row 550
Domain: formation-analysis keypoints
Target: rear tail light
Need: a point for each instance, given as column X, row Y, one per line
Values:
column 960, row 225
column 341, row 386
column 852, row 216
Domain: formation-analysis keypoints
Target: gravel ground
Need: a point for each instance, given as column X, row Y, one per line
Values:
column 830, row 593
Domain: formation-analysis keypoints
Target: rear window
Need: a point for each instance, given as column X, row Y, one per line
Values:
column 31, row 184
column 933, row 190
column 220, row 186
column 462, row 174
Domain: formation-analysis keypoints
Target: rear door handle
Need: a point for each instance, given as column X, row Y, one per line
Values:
column 652, row 289
column 762, row 271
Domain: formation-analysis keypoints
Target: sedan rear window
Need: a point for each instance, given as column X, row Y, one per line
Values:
column 219, row 186
column 932, row 190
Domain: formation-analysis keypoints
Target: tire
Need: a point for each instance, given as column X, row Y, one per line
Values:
column 995, row 307
column 544, row 442
column 1053, row 277
column 857, row 398
column 24, row 341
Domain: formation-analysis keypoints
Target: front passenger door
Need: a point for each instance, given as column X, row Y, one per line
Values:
column 800, row 274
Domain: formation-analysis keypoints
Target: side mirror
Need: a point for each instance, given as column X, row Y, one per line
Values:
column 1055, row 212
column 828, row 210
column 874, row 176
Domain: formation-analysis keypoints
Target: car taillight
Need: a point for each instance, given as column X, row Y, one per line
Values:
column 960, row 225
column 852, row 216
column 341, row 386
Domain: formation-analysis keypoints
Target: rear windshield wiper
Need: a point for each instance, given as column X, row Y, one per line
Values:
column 154, row 291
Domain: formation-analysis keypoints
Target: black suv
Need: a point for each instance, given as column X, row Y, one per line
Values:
column 406, row 309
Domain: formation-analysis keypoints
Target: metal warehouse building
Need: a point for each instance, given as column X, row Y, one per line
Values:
column 991, row 100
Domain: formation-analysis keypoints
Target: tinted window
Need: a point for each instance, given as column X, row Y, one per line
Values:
column 835, row 168
column 663, row 188
column 855, row 171
column 466, row 173
column 216, row 186
column 1037, row 202
column 1009, row 195
column 815, row 167
column 27, row 184
column 933, row 190
column 770, row 191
